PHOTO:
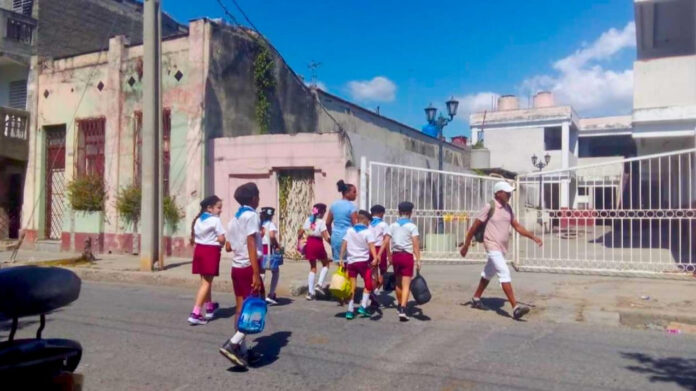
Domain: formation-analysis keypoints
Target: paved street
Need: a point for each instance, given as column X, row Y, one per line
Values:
column 136, row 338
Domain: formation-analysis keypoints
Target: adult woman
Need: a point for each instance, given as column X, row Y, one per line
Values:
column 342, row 215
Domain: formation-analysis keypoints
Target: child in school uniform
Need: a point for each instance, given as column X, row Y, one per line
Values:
column 244, row 241
column 317, row 232
column 379, row 227
column 402, row 239
column 358, row 245
column 269, row 239
column 208, row 235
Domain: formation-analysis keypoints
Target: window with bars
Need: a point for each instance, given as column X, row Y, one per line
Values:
column 166, row 148
column 22, row 6
column 90, row 146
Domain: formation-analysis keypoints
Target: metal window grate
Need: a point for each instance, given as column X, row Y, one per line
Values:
column 90, row 150
column 18, row 94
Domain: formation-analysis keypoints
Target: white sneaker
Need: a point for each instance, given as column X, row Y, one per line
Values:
column 271, row 301
column 309, row 297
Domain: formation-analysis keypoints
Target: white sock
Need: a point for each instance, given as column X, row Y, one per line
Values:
column 351, row 306
column 322, row 275
column 310, row 282
column 275, row 276
column 365, row 298
column 238, row 337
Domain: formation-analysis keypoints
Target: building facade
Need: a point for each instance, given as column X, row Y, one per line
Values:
column 89, row 122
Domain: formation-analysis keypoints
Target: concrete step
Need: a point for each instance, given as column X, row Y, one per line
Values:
column 48, row 245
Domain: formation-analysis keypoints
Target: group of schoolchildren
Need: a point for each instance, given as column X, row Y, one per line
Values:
column 362, row 243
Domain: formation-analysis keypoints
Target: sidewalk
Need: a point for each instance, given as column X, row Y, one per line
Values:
column 612, row 301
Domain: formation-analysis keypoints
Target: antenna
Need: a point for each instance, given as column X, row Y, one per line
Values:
column 313, row 67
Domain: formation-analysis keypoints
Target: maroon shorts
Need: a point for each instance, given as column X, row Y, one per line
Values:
column 206, row 259
column 383, row 265
column 315, row 251
column 242, row 278
column 403, row 264
column 363, row 269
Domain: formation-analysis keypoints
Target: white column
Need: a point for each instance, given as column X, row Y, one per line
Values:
column 565, row 159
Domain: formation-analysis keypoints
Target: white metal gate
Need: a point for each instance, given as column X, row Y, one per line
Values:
column 630, row 216
column 446, row 204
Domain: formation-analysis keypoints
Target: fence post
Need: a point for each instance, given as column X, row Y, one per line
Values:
column 363, row 183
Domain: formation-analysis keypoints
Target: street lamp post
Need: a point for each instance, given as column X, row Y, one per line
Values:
column 540, row 165
column 440, row 122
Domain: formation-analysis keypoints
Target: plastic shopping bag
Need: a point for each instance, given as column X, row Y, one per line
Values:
column 340, row 285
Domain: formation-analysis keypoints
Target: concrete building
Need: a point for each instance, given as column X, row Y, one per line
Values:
column 89, row 121
column 664, row 86
column 47, row 29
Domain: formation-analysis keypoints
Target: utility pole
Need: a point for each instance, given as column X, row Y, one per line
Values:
column 151, row 180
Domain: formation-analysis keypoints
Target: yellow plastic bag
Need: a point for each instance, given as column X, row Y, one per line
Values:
column 340, row 285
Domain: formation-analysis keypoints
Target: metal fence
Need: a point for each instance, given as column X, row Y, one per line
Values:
column 630, row 216
column 446, row 203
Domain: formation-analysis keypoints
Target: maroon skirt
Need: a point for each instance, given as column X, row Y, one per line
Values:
column 314, row 250
column 206, row 260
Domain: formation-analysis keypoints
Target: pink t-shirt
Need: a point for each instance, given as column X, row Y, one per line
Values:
column 497, row 233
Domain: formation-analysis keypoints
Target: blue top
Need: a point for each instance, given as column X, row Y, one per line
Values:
column 341, row 211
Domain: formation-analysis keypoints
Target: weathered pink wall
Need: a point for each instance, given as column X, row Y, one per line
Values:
column 258, row 158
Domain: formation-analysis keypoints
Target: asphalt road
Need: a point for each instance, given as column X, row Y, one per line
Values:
column 137, row 338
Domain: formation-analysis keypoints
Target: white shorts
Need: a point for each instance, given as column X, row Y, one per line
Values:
column 496, row 265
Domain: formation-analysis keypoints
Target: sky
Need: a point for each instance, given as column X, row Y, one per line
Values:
column 403, row 55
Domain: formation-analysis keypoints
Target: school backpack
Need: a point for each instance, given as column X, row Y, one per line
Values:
column 389, row 284
column 253, row 316
column 478, row 235
column 419, row 289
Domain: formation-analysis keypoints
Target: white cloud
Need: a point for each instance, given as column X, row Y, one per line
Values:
column 580, row 79
column 474, row 103
column 320, row 85
column 583, row 82
column 379, row 89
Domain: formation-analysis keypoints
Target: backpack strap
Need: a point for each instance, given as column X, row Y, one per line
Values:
column 491, row 210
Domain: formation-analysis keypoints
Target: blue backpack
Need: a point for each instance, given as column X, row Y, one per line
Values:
column 252, row 319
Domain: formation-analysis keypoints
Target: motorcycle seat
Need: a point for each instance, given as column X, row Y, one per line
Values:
column 34, row 290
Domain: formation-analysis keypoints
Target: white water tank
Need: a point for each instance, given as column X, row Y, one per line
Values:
column 508, row 102
column 543, row 99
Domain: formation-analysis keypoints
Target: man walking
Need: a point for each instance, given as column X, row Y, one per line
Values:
column 497, row 218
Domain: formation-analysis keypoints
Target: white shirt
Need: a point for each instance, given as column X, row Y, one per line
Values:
column 237, row 232
column 268, row 227
column 379, row 230
column 206, row 231
column 402, row 237
column 319, row 227
column 358, row 245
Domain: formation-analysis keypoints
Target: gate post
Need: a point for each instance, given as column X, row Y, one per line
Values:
column 363, row 183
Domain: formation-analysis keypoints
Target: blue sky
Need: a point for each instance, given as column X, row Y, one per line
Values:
column 403, row 55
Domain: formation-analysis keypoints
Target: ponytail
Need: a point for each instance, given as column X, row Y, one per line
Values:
column 193, row 224
column 343, row 187
column 318, row 209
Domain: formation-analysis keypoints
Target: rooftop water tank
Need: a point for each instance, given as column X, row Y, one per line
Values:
column 508, row 102
column 543, row 99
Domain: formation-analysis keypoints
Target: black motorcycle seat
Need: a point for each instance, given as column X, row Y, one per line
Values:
column 33, row 290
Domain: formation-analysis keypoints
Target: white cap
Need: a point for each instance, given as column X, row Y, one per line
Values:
column 502, row 186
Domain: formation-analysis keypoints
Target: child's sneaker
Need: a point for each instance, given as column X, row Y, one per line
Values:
column 363, row 312
column 196, row 320
column 350, row 315
column 233, row 352
column 309, row 297
column 271, row 299
column 402, row 314
column 210, row 313
column 477, row 304
column 320, row 289
column 519, row 311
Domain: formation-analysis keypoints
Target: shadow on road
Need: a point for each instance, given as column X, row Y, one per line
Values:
column 282, row 301
column 269, row 347
column 496, row 304
column 417, row 312
column 678, row 370
column 225, row 313
column 177, row 264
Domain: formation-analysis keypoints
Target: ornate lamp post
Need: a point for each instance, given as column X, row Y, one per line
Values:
column 536, row 162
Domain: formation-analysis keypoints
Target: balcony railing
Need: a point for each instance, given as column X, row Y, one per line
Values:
column 14, row 133
column 16, row 34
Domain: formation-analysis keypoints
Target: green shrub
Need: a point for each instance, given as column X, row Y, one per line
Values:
column 128, row 204
column 172, row 213
column 86, row 193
